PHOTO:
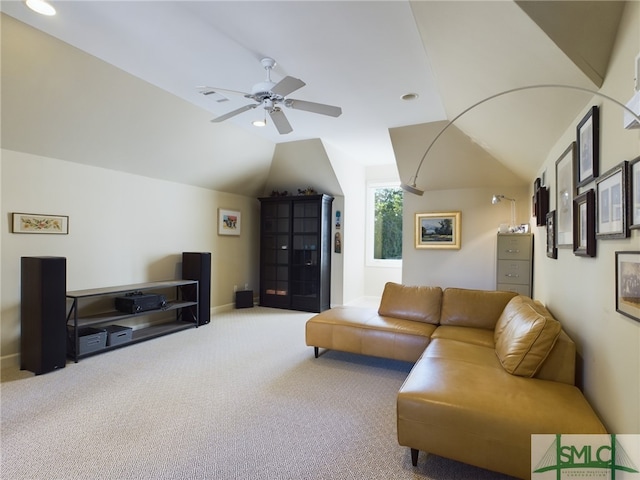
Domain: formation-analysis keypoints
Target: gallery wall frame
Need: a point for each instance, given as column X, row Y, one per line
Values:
column 438, row 230
column 627, row 284
column 584, row 228
column 552, row 249
column 634, row 193
column 588, row 147
column 229, row 222
column 612, row 192
column 40, row 223
column 565, row 193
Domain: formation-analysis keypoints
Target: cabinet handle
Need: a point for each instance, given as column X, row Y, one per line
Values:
column 512, row 275
column 513, row 251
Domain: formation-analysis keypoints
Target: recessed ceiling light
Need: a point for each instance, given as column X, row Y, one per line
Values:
column 41, row 6
column 259, row 123
column 409, row 96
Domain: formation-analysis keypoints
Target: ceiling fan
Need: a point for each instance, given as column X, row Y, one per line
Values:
column 271, row 96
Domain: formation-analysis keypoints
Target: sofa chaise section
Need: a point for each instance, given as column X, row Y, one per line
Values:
column 400, row 329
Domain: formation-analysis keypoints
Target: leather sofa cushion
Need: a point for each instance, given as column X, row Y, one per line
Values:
column 473, row 308
column 417, row 303
column 468, row 335
column 524, row 335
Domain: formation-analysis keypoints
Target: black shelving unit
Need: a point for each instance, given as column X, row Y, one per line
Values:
column 295, row 252
column 79, row 317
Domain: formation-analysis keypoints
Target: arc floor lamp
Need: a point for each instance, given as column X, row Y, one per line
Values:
column 411, row 186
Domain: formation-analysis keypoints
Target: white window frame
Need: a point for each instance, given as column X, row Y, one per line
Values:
column 370, row 224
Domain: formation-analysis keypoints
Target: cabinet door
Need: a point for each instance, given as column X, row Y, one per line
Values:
column 305, row 261
column 275, row 254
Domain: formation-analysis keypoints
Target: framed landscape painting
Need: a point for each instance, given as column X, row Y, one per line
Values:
column 438, row 230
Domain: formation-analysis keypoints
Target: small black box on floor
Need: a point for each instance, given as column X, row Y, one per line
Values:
column 117, row 334
column 91, row 339
column 244, row 299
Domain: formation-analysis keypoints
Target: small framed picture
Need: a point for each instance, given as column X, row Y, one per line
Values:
column 36, row 223
column 628, row 284
column 565, row 193
column 584, row 228
column 228, row 222
column 588, row 144
column 612, row 191
column 634, row 195
column 552, row 250
column 438, row 230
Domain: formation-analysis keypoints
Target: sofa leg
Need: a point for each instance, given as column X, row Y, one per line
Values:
column 414, row 457
column 316, row 351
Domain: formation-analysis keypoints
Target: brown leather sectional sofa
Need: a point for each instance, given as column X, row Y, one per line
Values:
column 491, row 369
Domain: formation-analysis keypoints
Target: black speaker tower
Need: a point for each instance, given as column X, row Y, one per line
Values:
column 197, row 266
column 43, row 318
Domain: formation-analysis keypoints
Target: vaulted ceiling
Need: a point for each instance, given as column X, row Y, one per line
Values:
column 359, row 55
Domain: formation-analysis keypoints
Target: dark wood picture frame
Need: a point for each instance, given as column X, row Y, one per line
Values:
column 584, row 224
column 627, row 285
column 612, row 192
column 588, row 147
column 634, row 193
column 552, row 249
column 565, row 193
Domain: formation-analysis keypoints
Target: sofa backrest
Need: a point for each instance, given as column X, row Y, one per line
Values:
column 524, row 336
column 473, row 308
column 418, row 303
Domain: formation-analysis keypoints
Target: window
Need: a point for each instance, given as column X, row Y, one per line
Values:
column 384, row 225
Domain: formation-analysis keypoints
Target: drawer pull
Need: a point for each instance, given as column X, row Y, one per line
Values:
column 512, row 275
column 513, row 251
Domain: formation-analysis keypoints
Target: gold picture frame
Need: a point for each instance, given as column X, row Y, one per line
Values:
column 438, row 230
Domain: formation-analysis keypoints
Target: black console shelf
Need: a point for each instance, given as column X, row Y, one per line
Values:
column 186, row 295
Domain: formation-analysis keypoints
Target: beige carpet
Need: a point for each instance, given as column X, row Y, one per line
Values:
column 239, row 398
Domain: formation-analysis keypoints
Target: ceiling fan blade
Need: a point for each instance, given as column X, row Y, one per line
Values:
column 287, row 85
column 233, row 113
column 321, row 108
column 280, row 121
column 204, row 90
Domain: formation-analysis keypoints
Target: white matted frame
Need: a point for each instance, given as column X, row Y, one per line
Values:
column 565, row 193
column 611, row 193
column 588, row 145
column 627, row 285
column 43, row 224
column 229, row 222
column 438, row 230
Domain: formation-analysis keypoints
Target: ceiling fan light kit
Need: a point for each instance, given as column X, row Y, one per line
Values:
column 41, row 6
column 270, row 96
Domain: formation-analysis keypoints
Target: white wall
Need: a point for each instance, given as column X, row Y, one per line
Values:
column 581, row 291
column 474, row 265
column 123, row 229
